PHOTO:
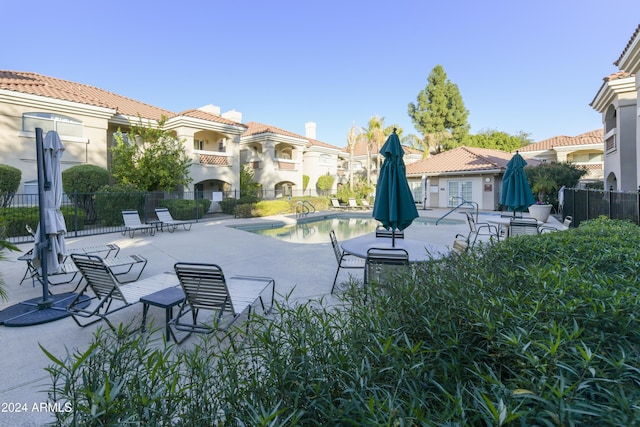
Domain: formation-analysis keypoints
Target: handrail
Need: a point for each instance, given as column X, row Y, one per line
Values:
column 313, row 208
column 304, row 211
column 464, row 202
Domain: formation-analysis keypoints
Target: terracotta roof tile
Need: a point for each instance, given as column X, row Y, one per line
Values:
column 463, row 159
column 36, row 84
column 593, row 137
column 360, row 149
column 199, row 114
column 254, row 128
column 629, row 43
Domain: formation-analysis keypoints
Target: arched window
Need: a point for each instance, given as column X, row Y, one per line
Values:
column 64, row 125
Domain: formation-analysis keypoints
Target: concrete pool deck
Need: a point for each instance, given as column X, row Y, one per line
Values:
column 305, row 271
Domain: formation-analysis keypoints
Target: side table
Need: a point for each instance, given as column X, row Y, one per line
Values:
column 167, row 299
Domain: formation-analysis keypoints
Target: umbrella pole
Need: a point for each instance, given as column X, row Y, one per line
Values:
column 393, row 237
column 47, row 301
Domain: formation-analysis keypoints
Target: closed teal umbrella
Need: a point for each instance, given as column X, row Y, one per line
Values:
column 394, row 206
column 516, row 192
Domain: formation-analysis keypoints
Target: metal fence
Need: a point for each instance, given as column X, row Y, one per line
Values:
column 584, row 204
column 101, row 213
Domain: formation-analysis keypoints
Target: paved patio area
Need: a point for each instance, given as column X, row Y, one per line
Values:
column 304, row 270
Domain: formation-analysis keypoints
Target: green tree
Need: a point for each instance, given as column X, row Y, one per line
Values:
column 248, row 187
column 547, row 178
column 9, row 183
column 439, row 113
column 375, row 138
column 497, row 140
column 152, row 158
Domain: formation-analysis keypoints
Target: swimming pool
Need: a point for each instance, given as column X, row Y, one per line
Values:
column 316, row 230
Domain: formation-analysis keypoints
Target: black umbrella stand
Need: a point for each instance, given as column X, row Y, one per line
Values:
column 51, row 307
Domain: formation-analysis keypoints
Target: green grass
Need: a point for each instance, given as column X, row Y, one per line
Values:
column 536, row 330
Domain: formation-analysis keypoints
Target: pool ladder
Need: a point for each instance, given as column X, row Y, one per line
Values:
column 463, row 202
column 303, row 208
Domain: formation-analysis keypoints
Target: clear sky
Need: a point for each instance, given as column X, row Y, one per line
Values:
column 520, row 65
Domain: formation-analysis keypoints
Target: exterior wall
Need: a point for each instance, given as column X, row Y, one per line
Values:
column 314, row 165
column 485, row 193
column 621, row 162
column 18, row 146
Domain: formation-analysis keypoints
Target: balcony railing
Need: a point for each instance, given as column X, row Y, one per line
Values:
column 287, row 165
column 212, row 158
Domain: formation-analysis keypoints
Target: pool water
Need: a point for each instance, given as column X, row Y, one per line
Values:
column 317, row 230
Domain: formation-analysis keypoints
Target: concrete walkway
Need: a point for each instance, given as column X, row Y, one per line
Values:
column 305, row 271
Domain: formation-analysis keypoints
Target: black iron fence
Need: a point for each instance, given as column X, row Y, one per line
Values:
column 100, row 213
column 584, row 204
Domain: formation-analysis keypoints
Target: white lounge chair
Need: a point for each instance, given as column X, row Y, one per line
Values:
column 166, row 220
column 132, row 223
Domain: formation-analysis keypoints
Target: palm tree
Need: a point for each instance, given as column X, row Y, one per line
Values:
column 375, row 138
column 352, row 138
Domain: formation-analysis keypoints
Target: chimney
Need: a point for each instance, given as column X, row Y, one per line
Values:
column 233, row 115
column 211, row 109
column 310, row 130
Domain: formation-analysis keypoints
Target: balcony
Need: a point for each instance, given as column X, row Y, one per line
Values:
column 287, row 165
column 211, row 158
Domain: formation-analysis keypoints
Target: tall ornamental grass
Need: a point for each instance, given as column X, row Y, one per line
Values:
column 536, row 330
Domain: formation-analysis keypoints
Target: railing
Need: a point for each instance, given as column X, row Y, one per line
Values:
column 462, row 203
column 304, row 207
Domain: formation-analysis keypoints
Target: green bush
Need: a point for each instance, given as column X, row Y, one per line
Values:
column 272, row 207
column 111, row 201
column 81, row 182
column 84, row 179
column 182, row 209
column 535, row 330
column 15, row 219
column 324, row 184
column 9, row 182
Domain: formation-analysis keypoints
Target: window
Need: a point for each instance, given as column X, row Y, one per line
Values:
column 459, row 191
column 64, row 125
column 326, row 160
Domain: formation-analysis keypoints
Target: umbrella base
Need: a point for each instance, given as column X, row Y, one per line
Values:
column 34, row 312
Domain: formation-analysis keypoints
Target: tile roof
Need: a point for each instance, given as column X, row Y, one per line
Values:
column 51, row 87
column 254, row 128
column 463, row 159
column 593, row 137
column 199, row 114
column 629, row 43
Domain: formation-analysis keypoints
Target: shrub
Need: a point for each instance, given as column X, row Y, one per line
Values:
column 9, row 182
column 324, row 184
column 182, row 209
column 272, row 207
column 535, row 330
column 111, row 201
column 15, row 219
column 81, row 182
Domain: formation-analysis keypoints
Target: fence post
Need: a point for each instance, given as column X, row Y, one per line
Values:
column 75, row 213
column 611, row 202
column 638, row 206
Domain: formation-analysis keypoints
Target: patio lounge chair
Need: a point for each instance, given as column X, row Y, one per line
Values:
column 335, row 204
column 165, row 218
column 345, row 260
column 382, row 261
column 68, row 271
column 353, row 204
column 132, row 223
column 106, row 294
column 460, row 244
column 365, row 204
column 206, row 289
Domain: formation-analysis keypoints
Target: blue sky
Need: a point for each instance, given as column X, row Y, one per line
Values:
column 531, row 66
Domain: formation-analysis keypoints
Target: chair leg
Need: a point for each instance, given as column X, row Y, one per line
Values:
column 335, row 279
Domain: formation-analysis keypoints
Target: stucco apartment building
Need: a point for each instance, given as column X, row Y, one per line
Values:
column 86, row 118
column 617, row 101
